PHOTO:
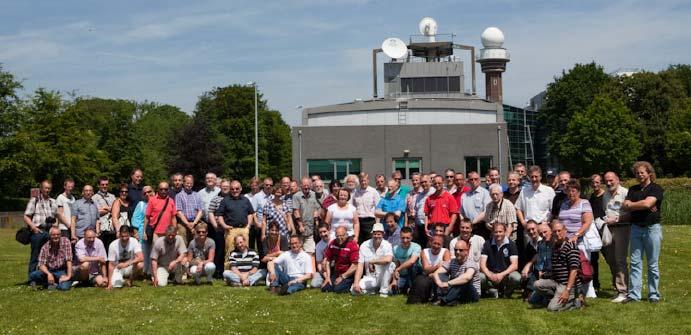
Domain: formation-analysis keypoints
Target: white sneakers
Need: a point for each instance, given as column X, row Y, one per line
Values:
column 619, row 299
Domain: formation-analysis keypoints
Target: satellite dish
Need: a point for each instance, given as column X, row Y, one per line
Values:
column 428, row 26
column 394, row 47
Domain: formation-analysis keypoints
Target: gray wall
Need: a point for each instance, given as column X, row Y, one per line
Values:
column 439, row 146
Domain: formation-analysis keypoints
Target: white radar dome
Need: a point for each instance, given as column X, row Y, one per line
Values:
column 492, row 37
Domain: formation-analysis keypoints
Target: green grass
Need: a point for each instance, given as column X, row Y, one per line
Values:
column 224, row 310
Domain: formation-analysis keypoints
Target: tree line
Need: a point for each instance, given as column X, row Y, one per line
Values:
column 54, row 135
column 596, row 122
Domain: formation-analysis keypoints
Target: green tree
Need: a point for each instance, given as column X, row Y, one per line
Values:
column 603, row 137
column 155, row 130
column 229, row 112
column 678, row 140
column 569, row 94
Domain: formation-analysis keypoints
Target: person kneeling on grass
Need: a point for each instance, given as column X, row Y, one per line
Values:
column 458, row 281
column 343, row 253
column 499, row 264
column 168, row 258
column 289, row 271
column 560, row 290
column 375, row 265
column 54, row 263
column 244, row 265
column 125, row 259
column 90, row 260
column 201, row 253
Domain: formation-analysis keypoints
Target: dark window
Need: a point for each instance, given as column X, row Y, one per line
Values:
column 430, row 84
column 454, row 84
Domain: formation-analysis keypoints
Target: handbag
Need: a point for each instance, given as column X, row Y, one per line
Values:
column 149, row 229
column 606, row 236
column 23, row 235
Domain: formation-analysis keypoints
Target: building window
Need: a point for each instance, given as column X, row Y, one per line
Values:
column 431, row 84
column 407, row 166
column 479, row 164
column 333, row 169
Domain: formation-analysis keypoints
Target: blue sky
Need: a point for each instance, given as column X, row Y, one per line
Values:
column 312, row 53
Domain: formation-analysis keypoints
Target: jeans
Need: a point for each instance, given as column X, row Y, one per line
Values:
column 207, row 272
column 460, row 294
column 37, row 241
column 342, row 287
column 645, row 239
column 233, row 279
column 282, row 279
column 42, row 279
column 405, row 281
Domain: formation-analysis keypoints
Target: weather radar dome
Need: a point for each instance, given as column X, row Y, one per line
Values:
column 492, row 37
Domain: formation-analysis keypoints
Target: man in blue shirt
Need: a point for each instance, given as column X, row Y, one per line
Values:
column 393, row 202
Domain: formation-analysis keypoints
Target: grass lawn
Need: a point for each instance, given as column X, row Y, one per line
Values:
column 224, row 310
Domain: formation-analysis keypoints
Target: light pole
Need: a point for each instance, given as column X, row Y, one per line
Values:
column 256, row 131
column 299, row 146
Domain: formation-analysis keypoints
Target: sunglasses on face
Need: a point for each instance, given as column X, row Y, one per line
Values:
column 163, row 189
column 124, row 191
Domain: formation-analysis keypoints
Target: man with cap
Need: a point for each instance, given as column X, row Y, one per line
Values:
column 375, row 265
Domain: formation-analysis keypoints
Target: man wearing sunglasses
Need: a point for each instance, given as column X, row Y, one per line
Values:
column 458, row 280
column 160, row 212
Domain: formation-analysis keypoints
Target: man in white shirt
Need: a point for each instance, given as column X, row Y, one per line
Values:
column 365, row 199
column 476, row 199
column 65, row 201
column 535, row 201
column 375, row 265
column 289, row 271
column 125, row 259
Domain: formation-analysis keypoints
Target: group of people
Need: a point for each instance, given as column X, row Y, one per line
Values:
column 444, row 238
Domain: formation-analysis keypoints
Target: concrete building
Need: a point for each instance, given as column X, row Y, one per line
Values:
column 425, row 120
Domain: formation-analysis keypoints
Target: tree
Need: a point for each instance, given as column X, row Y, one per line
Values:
column 569, row 94
column 193, row 151
column 156, row 128
column 15, row 160
column 229, row 112
column 603, row 137
column 678, row 140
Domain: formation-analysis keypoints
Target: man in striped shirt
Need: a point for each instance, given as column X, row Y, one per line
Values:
column 561, row 288
column 244, row 265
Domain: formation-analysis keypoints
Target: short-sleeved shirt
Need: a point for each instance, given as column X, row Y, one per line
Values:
column 369, row 253
column 477, row 242
column 235, row 211
column 512, row 197
column 504, row 212
column 394, row 203
column 393, row 237
column 646, row 217
column 401, row 255
column 597, row 205
column 277, row 214
column 499, row 256
column 155, row 207
column 342, row 256
column 307, row 205
column 281, row 245
column 40, row 208
column 201, row 252
column 97, row 249
column 365, row 201
column 295, row 264
column 189, row 203
column 572, row 217
column 320, row 249
column 55, row 258
column 474, row 201
column 216, row 201
column 415, row 202
column 86, row 214
column 104, row 199
column 342, row 217
column 206, row 195
column 66, row 204
column 165, row 252
column 455, row 269
column 544, row 256
column 439, row 208
column 244, row 261
column 120, row 253
column 613, row 202
column 564, row 259
column 536, row 205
